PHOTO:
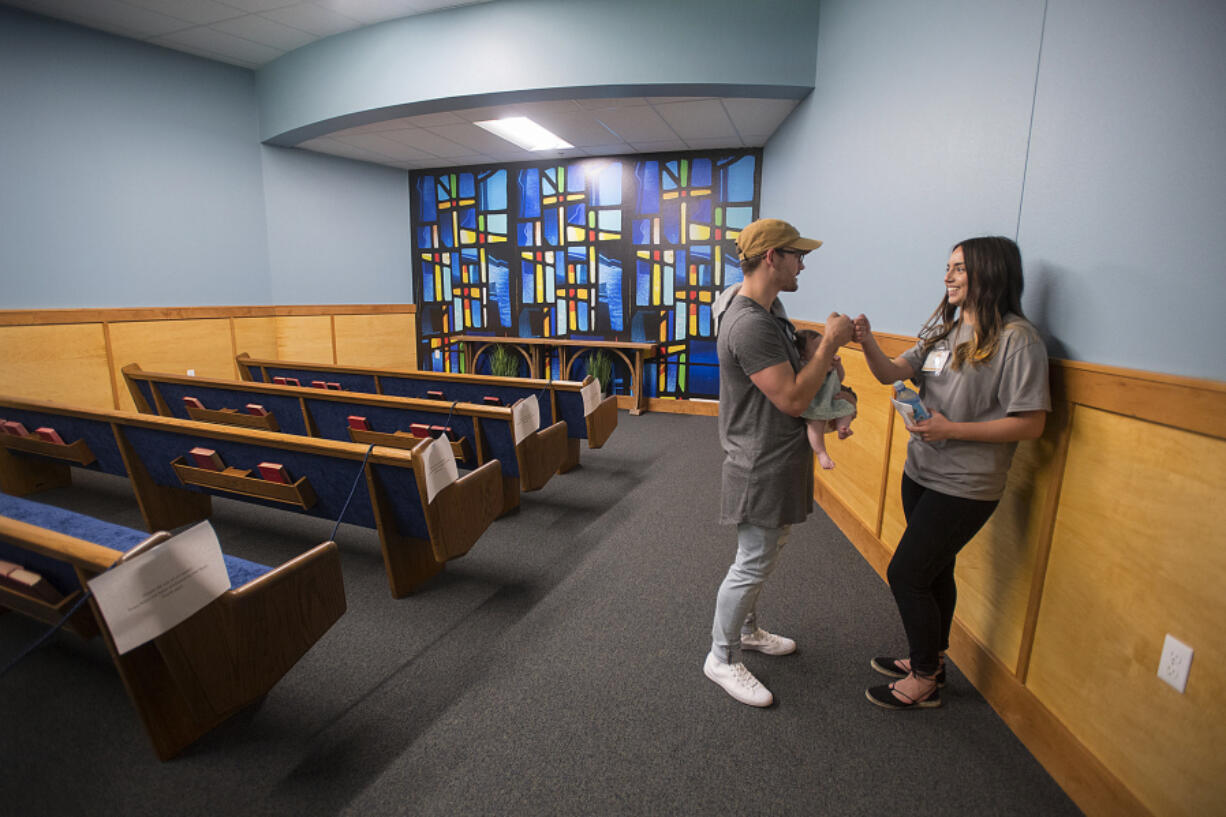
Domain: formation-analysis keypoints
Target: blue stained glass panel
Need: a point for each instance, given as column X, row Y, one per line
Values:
column 445, row 239
column 530, row 193
column 468, row 218
column 550, row 231
column 500, row 290
column 493, row 191
column 642, row 292
column 576, row 214
column 642, row 231
column 679, row 323
column 704, row 320
column 496, row 223
column 740, row 180
column 574, row 179
column 425, row 237
column 648, row 176
column 467, row 189
column 609, row 186
column 425, row 197
column 738, row 217
column 581, row 315
column 609, row 221
column 610, row 291
column 528, row 274
column 670, row 223
column 700, row 210
column 700, row 173
column 527, row 234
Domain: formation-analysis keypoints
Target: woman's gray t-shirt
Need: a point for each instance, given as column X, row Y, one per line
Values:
column 1014, row 380
column 768, row 465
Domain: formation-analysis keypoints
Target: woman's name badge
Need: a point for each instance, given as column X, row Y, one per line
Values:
column 936, row 361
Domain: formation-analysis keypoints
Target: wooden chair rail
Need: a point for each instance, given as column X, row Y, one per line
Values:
column 238, row 481
column 233, row 417
column 76, row 452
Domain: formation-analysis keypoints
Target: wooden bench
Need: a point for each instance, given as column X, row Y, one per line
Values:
column 417, row 536
column 478, row 433
column 564, row 400
column 223, row 658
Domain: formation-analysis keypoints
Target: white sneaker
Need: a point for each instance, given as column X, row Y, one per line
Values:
column 737, row 681
column 768, row 643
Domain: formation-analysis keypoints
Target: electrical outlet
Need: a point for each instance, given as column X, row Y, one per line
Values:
column 1176, row 659
column 191, row 372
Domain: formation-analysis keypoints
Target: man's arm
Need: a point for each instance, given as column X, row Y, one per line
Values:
column 791, row 392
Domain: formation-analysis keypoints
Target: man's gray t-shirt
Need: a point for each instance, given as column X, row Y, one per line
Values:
column 1014, row 380
column 768, row 465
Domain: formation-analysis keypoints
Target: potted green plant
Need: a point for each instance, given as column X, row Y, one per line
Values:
column 600, row 366
column 504, row 362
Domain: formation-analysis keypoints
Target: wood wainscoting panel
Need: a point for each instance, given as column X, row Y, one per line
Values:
column 304, row 338
column 65, row 363
column 996, row 568
column 1138, row 552
column 386, row 341
column 172, row 346
column 255, row 336
column 856, row 477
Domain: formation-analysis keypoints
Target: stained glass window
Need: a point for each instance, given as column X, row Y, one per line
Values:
column 621, row 248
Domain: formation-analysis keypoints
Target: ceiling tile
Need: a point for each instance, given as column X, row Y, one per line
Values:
column 256, row 6
column 472, row 137
column 427, row 141
column 659, row 146
column 602, row 104
column 312, row 18
column 218, row 42
column 390, row 148
column 580, row 129
column 372, row 11
column 429, row 120
column 703, row 119
column 637, row 124
column 758, row 115
column 111, row 15
column 266, row 32
column 200, row 12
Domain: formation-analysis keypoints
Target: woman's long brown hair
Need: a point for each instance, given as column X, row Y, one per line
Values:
column 994, row 289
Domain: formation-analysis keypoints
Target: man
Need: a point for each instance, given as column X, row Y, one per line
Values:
column 768, row 464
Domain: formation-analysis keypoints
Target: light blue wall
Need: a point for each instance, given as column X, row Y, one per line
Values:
column 916, row 135
column 129, row 175
column 527, row 48
column 338, row 230
column 133, row 176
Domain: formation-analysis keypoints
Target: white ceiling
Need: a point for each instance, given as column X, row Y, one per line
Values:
column 250, row 33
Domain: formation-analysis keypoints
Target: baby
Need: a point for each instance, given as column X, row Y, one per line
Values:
column 833, row 407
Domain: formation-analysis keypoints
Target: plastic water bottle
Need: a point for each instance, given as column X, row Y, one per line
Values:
column 907, row 395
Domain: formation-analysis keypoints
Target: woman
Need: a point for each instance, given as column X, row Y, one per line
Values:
column 982, row 372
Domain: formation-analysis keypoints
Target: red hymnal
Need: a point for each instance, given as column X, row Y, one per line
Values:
column 208, row 458
column 15, row 428
column 8, row 567
column 280, row 381
column 333, row 386
column 193, row 402
column 50, row 435
column 319, row 384
column 274, row 472
column 438, row 431
column 419, row 430
column 358, row 422
column 492, row 401
column 292, row 381
column 256, row 409
column 435, row 395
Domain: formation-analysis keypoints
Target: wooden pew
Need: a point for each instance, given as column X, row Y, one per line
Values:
column 417, row 536
column 480, row 433
column 564, row 401
column 223, row 658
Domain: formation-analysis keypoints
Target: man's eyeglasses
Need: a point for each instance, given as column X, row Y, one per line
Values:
column 797, row 253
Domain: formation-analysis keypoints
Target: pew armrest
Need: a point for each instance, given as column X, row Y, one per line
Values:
column 541, row 454
column 462, row 511
column 601, row 422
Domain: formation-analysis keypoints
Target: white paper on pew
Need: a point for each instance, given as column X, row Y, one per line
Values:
column 525, row 417
column 441, row 470
column 142, row 598
column 591, row 396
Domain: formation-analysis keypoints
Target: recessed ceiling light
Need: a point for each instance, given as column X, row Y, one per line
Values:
column 524, row 132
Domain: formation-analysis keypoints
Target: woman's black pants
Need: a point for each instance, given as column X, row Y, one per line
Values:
column 921, row 574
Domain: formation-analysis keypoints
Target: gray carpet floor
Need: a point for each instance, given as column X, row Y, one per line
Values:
column 554, row 670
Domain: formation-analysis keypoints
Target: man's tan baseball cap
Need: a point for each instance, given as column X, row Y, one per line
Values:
column 772, row 234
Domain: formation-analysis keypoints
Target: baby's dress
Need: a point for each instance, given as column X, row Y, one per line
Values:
column 825, row 405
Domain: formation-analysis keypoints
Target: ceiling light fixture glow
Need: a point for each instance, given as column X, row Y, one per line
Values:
column 522, row 131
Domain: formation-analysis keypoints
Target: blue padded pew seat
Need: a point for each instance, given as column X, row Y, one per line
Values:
column 61, row 575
